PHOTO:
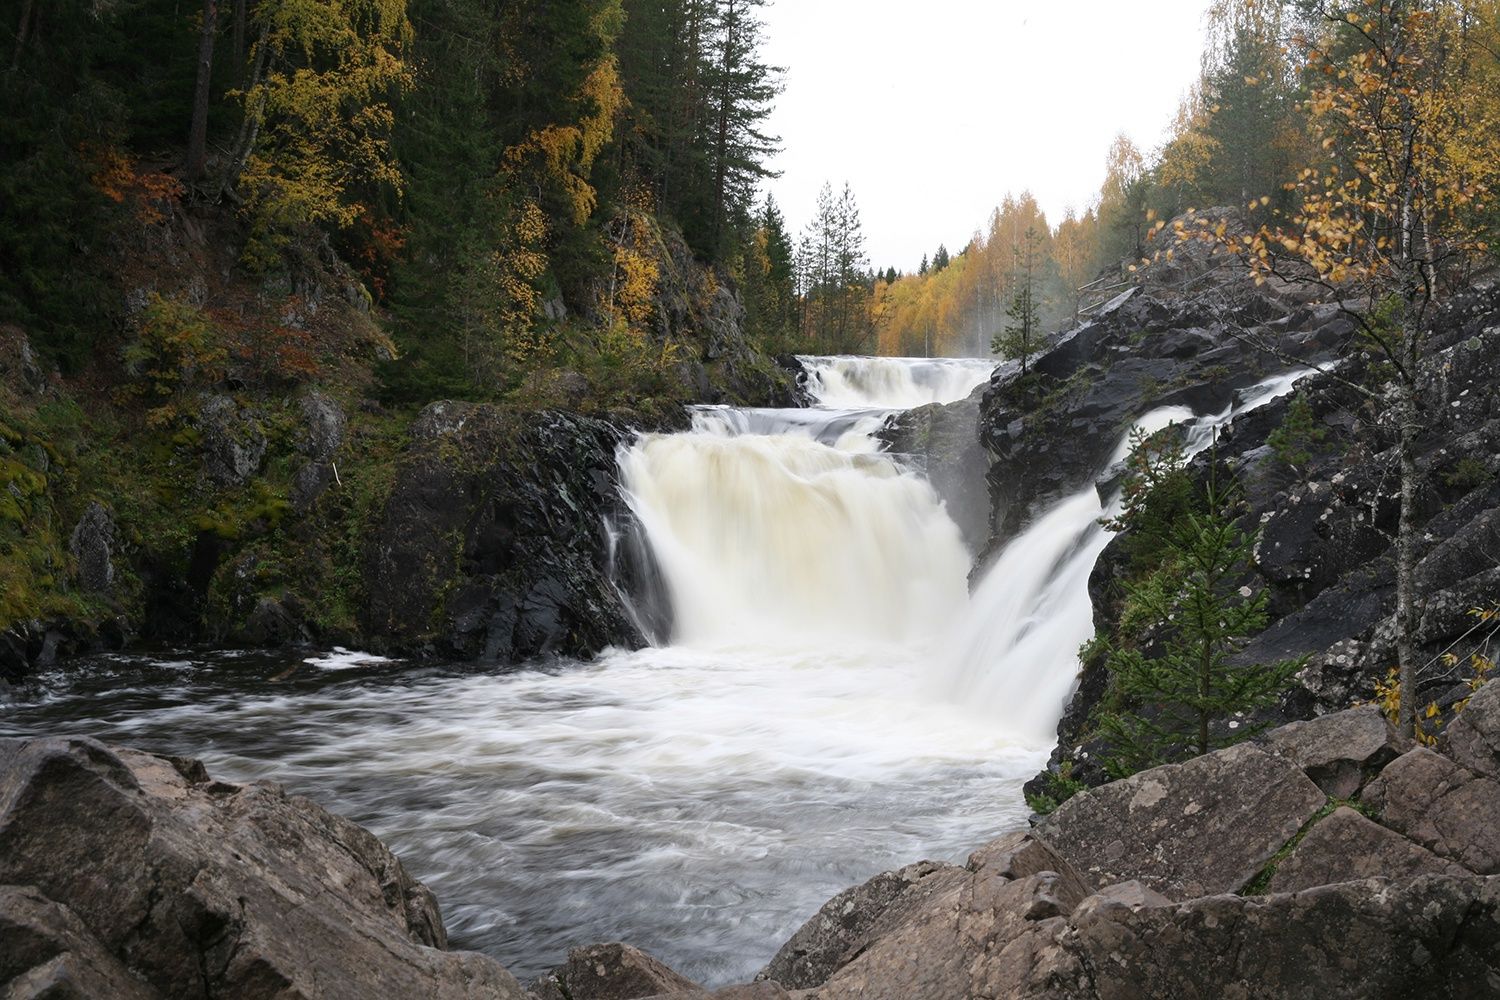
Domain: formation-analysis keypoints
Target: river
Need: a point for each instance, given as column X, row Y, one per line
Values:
column 831, row 702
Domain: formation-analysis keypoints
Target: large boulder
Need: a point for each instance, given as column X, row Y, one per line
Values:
column 989, row 936
column 1443, row 806
column 1346, row 847
column 925, row 931
column 848, row 921
column 1181, row 829
column 1474, row 737
column 746, row 991
column 1433, row 936
column 611, row 972
column 203, row 888
column 231, row 439
column 324, row 426
column 48, row 952
column 1342, row 751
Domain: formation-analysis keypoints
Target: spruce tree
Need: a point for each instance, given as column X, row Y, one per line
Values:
column 1179, row 686
column 1020, row 337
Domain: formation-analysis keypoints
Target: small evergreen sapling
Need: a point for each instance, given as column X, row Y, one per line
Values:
column 1178, row 695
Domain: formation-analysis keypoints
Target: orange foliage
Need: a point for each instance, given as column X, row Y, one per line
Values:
column 116, row 175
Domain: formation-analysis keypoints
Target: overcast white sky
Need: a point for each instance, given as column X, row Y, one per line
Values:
column 932, row 111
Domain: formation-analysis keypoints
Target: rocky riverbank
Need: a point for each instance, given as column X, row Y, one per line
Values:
column 1324, row 497
column 1332, row 859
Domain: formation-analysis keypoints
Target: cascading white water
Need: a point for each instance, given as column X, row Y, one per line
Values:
column 812, row 723
column 782, row 541
column 1016, row 652
column 893, row 383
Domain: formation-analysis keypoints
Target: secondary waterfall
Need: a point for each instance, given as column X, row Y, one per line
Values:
column 1017, row 650
column 831, row 702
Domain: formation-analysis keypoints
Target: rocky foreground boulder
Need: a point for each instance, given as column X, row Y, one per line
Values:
column 1238, row 875
column 129, row 875
column 1330, row 861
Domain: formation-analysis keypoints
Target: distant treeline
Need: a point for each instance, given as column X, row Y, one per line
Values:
column 1241, row 139
column 496, row 172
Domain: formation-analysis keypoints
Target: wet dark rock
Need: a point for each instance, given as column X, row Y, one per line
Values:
column 941, row 441
column 1324, row 557
column 92, row 545
column 1347, row 847
column 231, row 440
column 1443, row 806
column 272, row 622
column 1180, row 829
column 201, row 887
column 1343, row 751
column 493, row 544
column 611, row 972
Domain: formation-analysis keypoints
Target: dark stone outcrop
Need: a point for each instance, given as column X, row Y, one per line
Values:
column 492, row 545
column 232, row 442
column 92, row 545
column 611, row 972
column 323, row 432
column 143, row 866
column 942, row 441
column 1324, row 555
column 1181, row 829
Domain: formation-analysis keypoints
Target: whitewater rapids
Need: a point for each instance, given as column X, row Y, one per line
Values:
column 830, row 703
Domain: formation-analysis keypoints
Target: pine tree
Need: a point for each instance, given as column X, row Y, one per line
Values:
column 1022, row 334
column 940, row 259
column 1179, row 684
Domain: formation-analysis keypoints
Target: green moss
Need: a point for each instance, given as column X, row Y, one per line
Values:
column 1258, row 885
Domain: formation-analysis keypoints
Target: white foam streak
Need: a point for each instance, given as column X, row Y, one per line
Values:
column 893, row 383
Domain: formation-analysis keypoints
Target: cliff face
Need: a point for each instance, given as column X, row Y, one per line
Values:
column 1327, row 520
column 223, row 471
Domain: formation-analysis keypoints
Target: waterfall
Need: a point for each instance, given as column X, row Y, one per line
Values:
column 779, row 528
column 1017, row 650
column 827, row 702
column 893, row 383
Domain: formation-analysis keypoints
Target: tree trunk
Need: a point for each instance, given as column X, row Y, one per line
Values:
column 23, row 30
column 238, row 43
column 1408, row 614
column 197, row 153
column 250, row 125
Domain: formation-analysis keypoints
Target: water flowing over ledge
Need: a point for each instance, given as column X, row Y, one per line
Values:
column 833, row 703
